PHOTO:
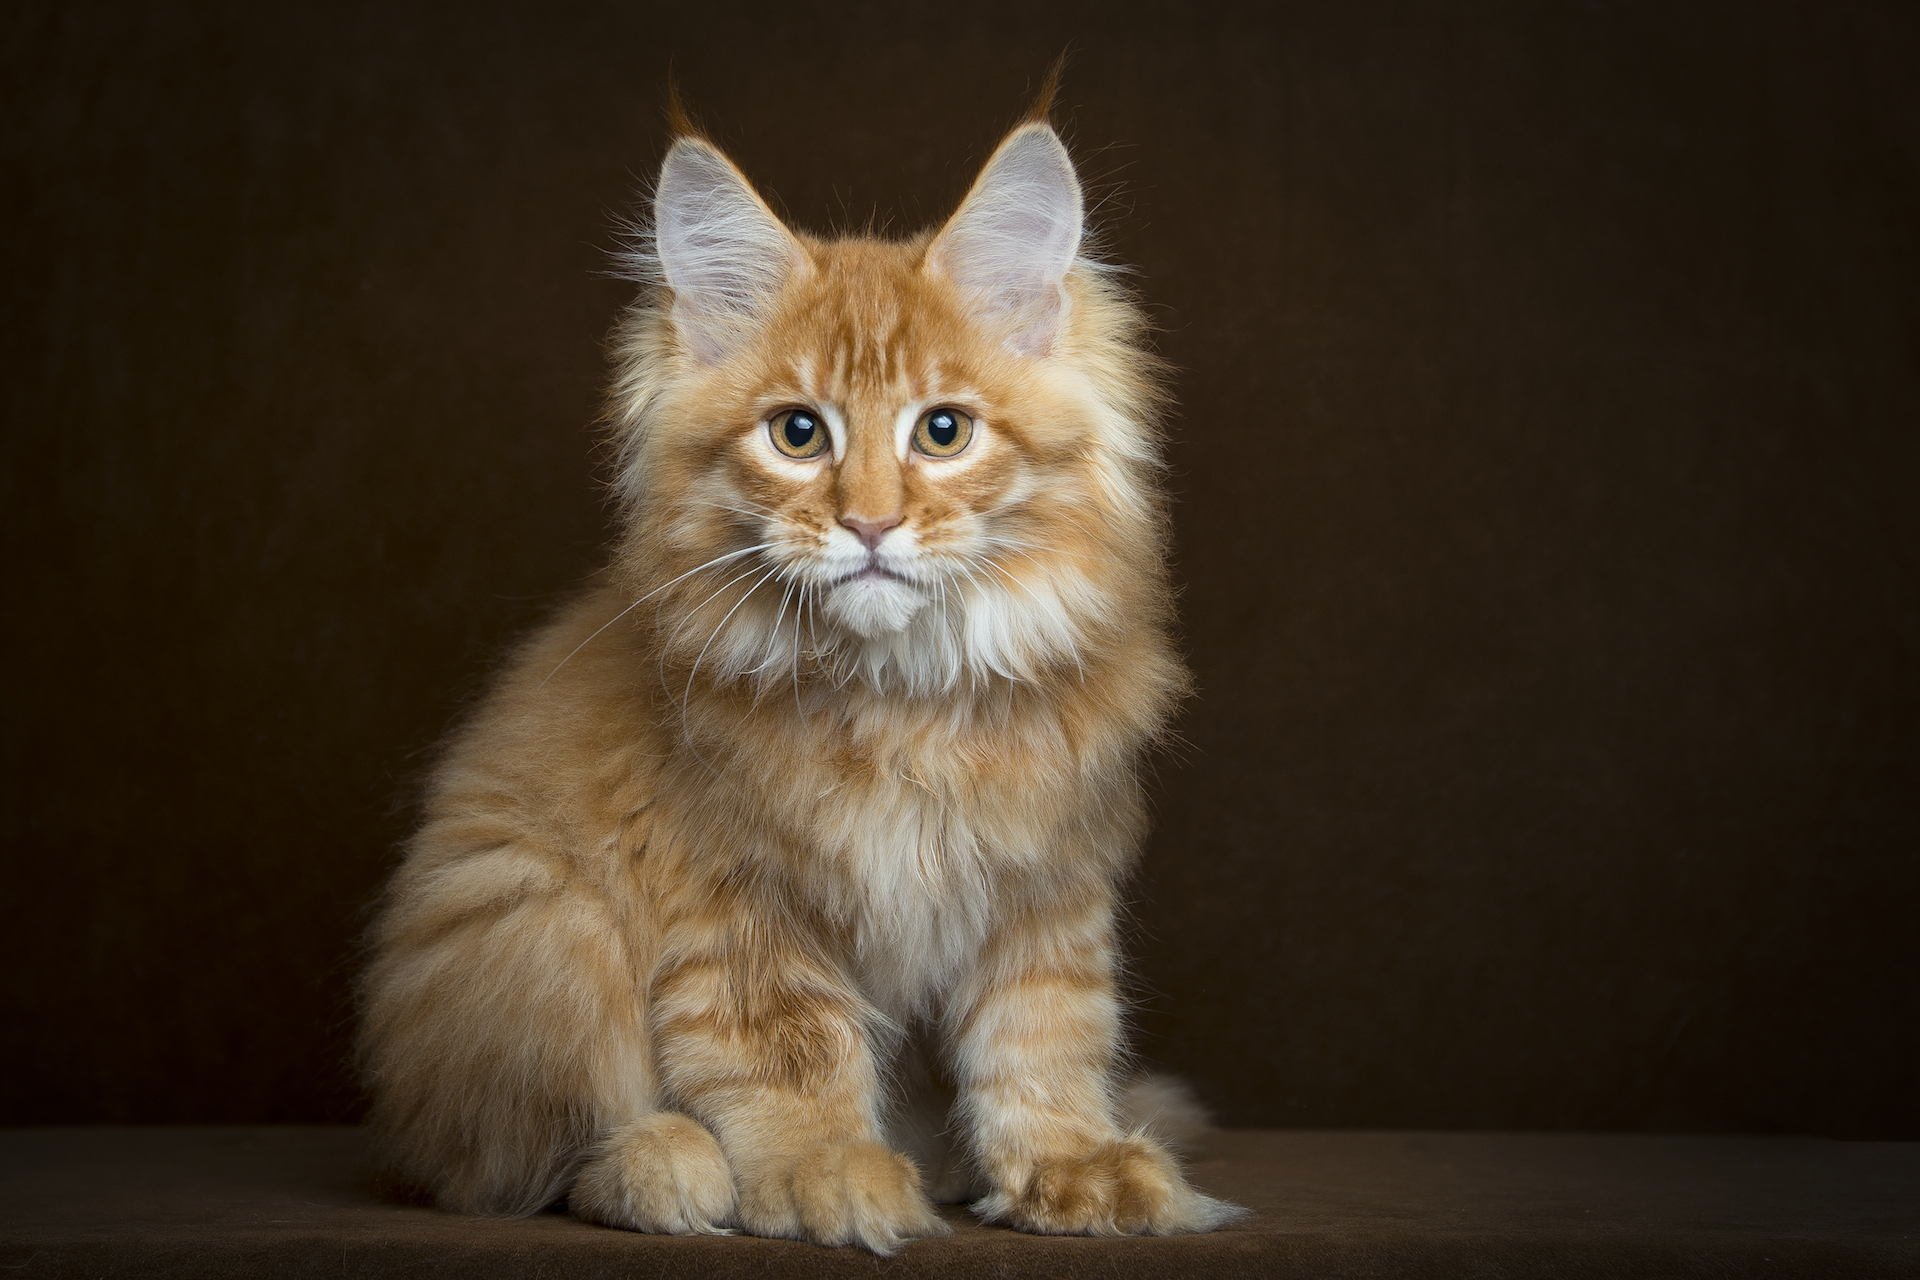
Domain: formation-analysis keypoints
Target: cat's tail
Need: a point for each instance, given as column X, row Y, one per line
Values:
column 1165, row 1107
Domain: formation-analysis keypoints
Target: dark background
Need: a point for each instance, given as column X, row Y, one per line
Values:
column 1546, row 499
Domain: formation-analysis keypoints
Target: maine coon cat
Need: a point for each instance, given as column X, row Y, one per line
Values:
column 773, row 887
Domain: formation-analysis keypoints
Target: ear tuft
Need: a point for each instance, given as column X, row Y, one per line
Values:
column 1016, row 236
column 722, row 251
column 680, row 119
column 1041, row 112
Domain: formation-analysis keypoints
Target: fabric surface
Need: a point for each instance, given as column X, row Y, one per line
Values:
column 300, row 1201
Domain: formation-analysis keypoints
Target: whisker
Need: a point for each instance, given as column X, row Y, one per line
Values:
column 718, row 627
column 806, row 595
column 773, row 632
column 763, row 512
column 1004, row 572
column 1008, row 505
column 679, row 629
column 1078, row 662
column 748, row 572
column 731, row 555
column 967, row 569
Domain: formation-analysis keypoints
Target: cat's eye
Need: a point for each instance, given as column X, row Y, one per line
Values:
column 942, row 432
column 798, row 433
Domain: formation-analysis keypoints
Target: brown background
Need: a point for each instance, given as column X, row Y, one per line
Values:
column 1546, row 484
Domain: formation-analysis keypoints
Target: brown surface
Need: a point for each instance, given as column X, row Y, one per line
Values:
column 1546, row 481
column 212, row 1202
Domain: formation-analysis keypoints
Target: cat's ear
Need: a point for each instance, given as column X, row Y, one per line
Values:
column 722, row 251
column 1015, row 237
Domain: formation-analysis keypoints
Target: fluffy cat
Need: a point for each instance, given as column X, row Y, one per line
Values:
column 791, row 847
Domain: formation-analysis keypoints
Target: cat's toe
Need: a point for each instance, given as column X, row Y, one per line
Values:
column 664, row 1173
column 1128, row 1187
column 849, row 1193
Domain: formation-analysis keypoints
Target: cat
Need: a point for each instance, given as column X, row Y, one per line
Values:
column 793, row 844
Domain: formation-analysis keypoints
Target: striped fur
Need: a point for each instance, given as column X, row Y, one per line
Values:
column 750, row 871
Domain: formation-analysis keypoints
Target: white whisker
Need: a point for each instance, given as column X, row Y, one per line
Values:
column 731, row 555
column 806, row 595
column 991, row 563
column 773, row 632
column 751, row 510
column 718, row 627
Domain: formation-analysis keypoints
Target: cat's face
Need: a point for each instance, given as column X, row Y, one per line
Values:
column 890, row 455
column 897, row 459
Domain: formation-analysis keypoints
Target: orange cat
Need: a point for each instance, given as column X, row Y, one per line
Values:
column 800, row 832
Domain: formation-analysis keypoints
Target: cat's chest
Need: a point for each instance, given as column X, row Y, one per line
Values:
column 912, row 868
column 918, row 822
column 916, row 887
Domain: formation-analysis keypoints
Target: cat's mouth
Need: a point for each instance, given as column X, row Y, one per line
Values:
column 873, row 571
column 874, row 600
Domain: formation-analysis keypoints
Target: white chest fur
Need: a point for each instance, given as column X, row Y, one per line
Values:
column 915, row 883
column 918, row 832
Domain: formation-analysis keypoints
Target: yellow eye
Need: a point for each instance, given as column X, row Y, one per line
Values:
column 943, row 432
column 798, row 433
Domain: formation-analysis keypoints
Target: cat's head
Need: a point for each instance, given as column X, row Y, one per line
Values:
column 914, row 462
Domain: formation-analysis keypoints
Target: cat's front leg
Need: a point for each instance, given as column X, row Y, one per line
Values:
column 760, row 1033
column 1033, row 1035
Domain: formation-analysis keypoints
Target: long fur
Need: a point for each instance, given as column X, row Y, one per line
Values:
column 749, row 872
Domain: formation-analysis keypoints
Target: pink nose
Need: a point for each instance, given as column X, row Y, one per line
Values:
column 870, row 531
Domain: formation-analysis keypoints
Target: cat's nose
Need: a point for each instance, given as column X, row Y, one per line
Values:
column 870, row 529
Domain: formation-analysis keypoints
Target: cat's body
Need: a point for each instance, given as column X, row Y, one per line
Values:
column 726, row 895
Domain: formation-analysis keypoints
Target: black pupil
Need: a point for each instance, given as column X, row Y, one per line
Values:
column 799, row 429
column 942, row 427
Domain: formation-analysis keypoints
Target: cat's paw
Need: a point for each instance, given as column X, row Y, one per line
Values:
column 1129, row 1187
column 848, row 1193
column 664, row 1173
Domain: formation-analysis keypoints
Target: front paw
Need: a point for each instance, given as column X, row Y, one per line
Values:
column 1129, row 1187
column 848, row 1193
